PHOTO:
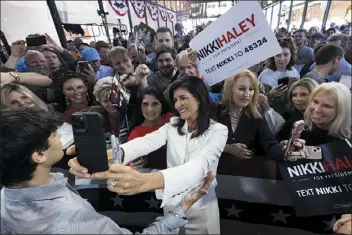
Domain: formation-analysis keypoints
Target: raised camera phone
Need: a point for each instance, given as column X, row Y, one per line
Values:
column 296, row 131
column 83, row 66
column 89, row 136
column 35, row 40
column 283, row 81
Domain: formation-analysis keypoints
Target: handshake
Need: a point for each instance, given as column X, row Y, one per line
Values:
column 125, row 180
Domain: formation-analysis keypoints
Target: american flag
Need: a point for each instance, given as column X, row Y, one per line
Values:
column 252, row 198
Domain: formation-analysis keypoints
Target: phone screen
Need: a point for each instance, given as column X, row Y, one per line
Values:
column 283, row 81
column 83, row 66
column 115, row 95
column 296, row 131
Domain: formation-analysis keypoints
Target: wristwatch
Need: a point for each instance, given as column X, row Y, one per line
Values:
column 16, row 76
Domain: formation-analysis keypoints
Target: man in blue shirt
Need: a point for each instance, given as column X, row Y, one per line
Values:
column 305, row 55
column 35, row 201
column 163, row 37
column 345, row 68
column 92, row 56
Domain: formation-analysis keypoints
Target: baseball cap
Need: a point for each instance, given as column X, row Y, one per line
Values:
column 90, row 54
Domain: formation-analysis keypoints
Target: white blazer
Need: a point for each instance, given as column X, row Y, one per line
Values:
column 181, row 176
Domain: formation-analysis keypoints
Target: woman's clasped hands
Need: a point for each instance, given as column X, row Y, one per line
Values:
column 240, row 151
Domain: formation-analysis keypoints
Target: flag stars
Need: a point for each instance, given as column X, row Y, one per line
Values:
column 233, row 211
column 153, row 203
column 330, row 224
column 117, row 200
column 280, row 216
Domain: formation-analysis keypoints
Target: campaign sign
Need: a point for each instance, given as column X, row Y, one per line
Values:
column 237, row 40
column 321, row 187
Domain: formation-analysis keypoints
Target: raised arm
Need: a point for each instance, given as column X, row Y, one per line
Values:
column 34, row 79
column 181, row 178
column 271, row 146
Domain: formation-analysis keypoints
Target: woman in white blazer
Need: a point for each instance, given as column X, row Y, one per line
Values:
column 194, row 144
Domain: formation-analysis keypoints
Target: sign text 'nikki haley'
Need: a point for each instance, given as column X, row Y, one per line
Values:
column 321, row 187
column 237, row 40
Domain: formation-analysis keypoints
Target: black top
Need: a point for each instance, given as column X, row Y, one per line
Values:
column 290, row 118
column 253, row 132
column 317, row 136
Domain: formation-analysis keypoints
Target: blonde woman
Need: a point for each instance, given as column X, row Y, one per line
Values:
column 249, row 133
column 114, row 113
column 298, row 99
column 328, row 115
column 14, row 95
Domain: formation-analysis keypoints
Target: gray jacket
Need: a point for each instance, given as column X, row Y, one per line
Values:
column 159, row 82
column 56, row 208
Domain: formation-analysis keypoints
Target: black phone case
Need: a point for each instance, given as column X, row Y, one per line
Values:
column 283, row 81
column 36, row 41
column 82, row 67
column 90, row 141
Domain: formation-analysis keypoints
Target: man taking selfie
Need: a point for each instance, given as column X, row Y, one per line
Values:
column 35, row 201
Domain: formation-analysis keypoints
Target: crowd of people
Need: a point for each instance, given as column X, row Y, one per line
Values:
column 155, row 99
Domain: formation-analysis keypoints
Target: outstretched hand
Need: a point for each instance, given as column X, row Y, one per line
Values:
column 197, row 193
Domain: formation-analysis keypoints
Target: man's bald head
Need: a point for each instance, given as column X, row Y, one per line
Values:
column 36, row 61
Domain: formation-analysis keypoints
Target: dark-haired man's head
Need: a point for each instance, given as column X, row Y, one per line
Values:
column 30, row 145
column 315, row 39
column 83, row 46
column 330, row 32
column 163, row 37
column 165, row 57
column 71, row 45
column 103, row 49
column 313, row 30
column 329, row 56
column 340, row 40
column 300, row 37
column 281, row 33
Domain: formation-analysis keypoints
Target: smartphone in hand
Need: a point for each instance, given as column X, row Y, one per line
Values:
column 83, row 66
column 90, row 141
column 283, row 81
column 296, row 131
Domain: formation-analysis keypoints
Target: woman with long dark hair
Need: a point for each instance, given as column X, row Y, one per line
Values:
column 74, row 88
column 281, row 65
column 150, row 114
column 194, row 144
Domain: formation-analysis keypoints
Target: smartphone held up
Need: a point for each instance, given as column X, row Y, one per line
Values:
column 308, row 152
column 90, row 141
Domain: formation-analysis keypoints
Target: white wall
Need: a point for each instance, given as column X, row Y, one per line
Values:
column 135, row 19
column 79, row 12
column 153, row 24
column 161, row 21
column 21, row 18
